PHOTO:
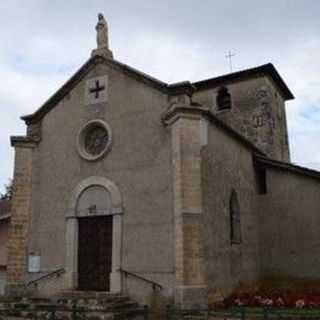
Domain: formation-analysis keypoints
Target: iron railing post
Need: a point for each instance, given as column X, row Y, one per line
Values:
column 243, row 313
column 265, row 313
column 170, row 312
column 74, row 311
column 145, row 312
column 167, row 312
column 52, row 315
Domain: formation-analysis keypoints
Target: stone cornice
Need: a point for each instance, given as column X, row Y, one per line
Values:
column 177, row 110
column 23, row 142
column 181, row 88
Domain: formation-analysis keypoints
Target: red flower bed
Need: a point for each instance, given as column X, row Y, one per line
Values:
column 274, row 299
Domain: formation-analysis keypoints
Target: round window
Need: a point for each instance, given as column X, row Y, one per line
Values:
column 94, row 140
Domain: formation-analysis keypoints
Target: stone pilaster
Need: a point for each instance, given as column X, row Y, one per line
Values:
column 20, row 215
column 187, row 139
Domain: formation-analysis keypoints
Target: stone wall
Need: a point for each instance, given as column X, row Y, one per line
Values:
column 4, row 232
column 20, row 217
column 258, row 113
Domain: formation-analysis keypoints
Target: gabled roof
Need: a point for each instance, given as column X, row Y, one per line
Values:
column 80, row 74
column 270, row 163
column 266, row 69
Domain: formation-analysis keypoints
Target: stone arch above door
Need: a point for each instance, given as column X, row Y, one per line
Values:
column 111, row 187
column 112, row 194
column 94, row 201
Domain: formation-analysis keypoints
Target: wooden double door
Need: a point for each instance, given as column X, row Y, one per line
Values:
column 95, row 253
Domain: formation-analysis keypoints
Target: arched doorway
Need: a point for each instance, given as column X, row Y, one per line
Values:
column 93, row 253
column 94, row 239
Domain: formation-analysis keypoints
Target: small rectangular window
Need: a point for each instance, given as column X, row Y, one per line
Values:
column 261, row 180
column 235, row 221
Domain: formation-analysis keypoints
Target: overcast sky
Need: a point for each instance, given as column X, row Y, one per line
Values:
column 43, row 42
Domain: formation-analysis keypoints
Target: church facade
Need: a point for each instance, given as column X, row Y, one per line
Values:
column 124, row 183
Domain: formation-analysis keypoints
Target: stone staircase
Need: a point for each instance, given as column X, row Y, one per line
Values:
column 73, row 305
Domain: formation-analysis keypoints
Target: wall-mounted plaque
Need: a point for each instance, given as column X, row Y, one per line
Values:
column 34, row 263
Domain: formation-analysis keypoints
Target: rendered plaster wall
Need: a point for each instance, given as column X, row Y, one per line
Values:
column 139, row 163
column 227, row 165
column 258, row 113
column 289, row 226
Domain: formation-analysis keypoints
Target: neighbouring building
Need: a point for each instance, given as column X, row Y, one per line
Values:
column 5, row 214
column 123, row 179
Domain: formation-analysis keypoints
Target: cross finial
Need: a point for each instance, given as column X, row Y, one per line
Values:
column 229, row 56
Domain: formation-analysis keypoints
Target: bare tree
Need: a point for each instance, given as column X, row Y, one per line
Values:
column 7, row 195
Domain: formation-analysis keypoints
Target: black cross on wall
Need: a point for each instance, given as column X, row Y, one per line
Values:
column 97, row 88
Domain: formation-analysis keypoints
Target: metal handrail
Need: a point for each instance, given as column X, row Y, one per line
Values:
column 128, row 273
column 57, row 273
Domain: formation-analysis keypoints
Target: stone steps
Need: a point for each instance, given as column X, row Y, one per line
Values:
column 91, row 305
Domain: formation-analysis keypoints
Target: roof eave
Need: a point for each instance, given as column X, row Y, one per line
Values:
column 281, row 165
column 266, row 69
column 59, row 94
column 78, row 76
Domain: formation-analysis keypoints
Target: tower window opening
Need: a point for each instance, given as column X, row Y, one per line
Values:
column 223, row 99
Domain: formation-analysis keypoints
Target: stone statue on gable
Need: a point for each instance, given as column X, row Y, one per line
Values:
column 102, row 32
column 102, row 38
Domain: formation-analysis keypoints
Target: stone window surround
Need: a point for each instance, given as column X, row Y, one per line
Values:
column 72, row 232
column 81, row 137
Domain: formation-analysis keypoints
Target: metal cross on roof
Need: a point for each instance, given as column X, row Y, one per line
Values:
column 229, row 56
